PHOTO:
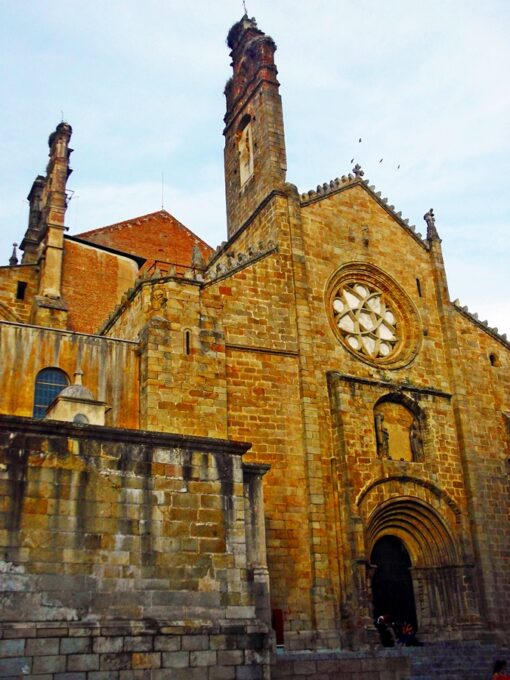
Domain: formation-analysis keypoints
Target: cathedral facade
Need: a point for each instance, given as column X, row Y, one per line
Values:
column 276, row 441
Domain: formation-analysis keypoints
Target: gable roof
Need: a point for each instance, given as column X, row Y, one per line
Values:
column 345, row 182
column 156, row 236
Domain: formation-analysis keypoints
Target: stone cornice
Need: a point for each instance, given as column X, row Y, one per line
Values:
column 54, row 428
column 484, row 325
column 65, row 331
column 387, row 384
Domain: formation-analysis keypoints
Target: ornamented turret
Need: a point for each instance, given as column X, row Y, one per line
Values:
column 255, row 159
column 53, row 204
column 13, row 260
column 32, row 237
column 47, row 197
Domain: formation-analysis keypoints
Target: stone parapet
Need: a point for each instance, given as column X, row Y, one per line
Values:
column 127, row 550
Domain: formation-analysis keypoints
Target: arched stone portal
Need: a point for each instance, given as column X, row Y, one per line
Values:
column 416, row 568
column 392, row 585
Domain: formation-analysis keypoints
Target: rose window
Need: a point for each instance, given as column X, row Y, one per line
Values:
column 366, row 320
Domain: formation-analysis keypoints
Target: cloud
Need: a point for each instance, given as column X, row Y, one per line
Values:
column 142, row 86
column 100, row 205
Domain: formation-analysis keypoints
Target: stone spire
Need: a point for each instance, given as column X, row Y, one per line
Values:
column 30, row 243
column 255, row 157
column 13, row 260
column 54, row 205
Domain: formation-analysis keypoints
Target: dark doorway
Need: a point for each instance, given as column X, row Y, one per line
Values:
column 392, row 585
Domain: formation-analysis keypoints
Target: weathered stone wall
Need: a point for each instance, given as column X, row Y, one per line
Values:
column 12, row 308
column 110, row 368
column 121, row 650
column 483, row 403
column 129, row 550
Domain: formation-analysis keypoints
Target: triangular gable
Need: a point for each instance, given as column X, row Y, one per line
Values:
column 347, row 182
column 156, row 237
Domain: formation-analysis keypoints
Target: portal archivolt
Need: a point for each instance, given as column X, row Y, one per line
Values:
column 438, row 581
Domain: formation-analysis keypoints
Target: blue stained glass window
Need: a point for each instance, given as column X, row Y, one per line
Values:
column 49, row 382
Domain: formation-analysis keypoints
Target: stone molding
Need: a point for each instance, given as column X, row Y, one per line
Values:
column 393, row 386
column 484, row 325
column 27, row 426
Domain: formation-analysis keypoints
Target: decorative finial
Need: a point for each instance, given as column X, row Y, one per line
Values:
column 430, row 219
column 197, row 259
column 357, row 170
column 13, row 260
column 245, row 10
column 78, row 372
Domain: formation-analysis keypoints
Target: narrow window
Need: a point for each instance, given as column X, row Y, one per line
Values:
column 245, row 150
column 493, row 358
column 187, row 342
column 49, row 382
column 20, row 290
column 418, row 286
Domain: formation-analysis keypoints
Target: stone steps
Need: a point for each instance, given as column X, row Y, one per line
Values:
column 449, row 661
column 433, row 661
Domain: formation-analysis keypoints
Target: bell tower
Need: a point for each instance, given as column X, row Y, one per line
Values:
column 255, row 159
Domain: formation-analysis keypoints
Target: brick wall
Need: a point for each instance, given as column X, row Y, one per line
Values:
column 158, row 236
column 93, row 283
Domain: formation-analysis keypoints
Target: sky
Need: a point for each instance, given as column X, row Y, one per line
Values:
column 424, row 85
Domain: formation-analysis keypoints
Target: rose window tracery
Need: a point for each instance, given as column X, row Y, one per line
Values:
column 366, row 319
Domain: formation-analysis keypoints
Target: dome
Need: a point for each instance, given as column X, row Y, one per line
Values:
column 77, row 392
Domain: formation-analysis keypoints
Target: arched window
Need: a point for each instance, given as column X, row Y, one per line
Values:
column 49, row 382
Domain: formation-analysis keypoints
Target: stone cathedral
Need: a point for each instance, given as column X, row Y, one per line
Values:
column 207, row 455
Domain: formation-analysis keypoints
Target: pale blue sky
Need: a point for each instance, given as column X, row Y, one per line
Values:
column 424, row 84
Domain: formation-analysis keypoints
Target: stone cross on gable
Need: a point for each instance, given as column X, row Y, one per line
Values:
column 357, row 170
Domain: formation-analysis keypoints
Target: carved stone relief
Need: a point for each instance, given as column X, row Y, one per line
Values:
column 398, row 433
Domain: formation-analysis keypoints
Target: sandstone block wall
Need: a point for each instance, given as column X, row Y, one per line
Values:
column 124, row 651
column 12, row 308
column 129, row 550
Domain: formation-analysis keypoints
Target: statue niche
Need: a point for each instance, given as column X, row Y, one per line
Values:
column 398, row 432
